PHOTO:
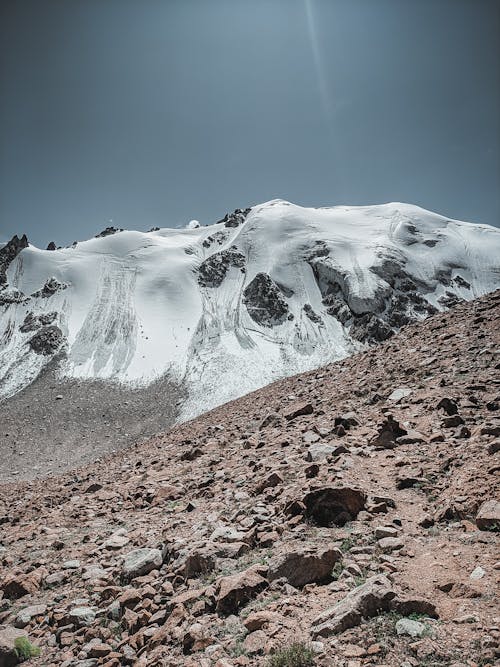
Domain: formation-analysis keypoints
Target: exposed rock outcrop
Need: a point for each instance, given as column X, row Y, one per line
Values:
column 8, row 253
column 264, row 301
column 48, row 340
column 213, row 270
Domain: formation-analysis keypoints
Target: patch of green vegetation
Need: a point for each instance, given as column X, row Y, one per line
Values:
column 25, row 649
column 296, row 655
column 238, row 648
column 257, row 605
column 494, row 528
column 415, row 616
column 360, row 579
column 171, row 505
column 337, row 571
column 347, row 544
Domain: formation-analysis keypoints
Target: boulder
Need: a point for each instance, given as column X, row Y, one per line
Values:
column 236, row 590
column 319, row 452
column 297, row 409
column 269, row 482
column 410, row 628
column 365, row 601
column 140, row 562
column 47, row 340
column 17, row 586
column 388, row 544
column 81, row 616
column 329, row 506
column 399, row 393
column 388, row 433
column 488, row 516
column 303, row 565
column 24, row 617
column 448, row 405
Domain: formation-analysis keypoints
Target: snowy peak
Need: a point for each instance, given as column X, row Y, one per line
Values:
column 223, row 309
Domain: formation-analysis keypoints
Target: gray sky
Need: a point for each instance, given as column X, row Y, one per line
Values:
column 153, row 112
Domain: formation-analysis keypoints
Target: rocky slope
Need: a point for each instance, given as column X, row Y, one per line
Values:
column 350, row 510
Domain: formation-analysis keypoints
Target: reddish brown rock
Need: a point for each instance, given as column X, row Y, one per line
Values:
column 236, row 590
column 302, row 564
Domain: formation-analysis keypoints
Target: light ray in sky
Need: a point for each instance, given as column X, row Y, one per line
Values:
column 324, row 91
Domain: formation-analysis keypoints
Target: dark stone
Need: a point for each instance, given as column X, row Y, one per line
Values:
column 448, row 405
column 389, row 431
column 297, row 410
column 454, row 420
column 330, row 506
column 52, row 246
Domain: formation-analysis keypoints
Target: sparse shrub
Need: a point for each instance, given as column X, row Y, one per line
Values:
column 337, row 570
column 347, row 545
column 25, row 649
column 296, row 655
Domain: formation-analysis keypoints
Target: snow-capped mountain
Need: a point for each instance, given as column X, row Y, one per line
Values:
column 227, row 308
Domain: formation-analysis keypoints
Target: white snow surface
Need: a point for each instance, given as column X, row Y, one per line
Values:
column 133, row 309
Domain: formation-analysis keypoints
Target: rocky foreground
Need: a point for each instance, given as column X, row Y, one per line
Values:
column 346, row 516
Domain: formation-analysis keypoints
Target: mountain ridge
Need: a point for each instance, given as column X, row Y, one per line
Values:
column 215, row 312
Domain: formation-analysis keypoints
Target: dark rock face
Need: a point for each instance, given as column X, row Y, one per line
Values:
column 108, row 231
column 236, row 218
column 461, row 282
column 370, row 328
column 311, row 314
column 264, row 301
column 8, row 297
column 377, row 318
column 9, row 252
column 32, row 322
column 47, row 340
column 51, row 287
column 333, row 506
column 51, row 246
column 213, row 270
column 449, row 299
column 337, row 308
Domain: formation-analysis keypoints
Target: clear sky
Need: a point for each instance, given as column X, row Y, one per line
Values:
column 154, row 112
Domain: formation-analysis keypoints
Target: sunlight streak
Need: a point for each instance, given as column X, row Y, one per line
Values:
column 324, row 92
